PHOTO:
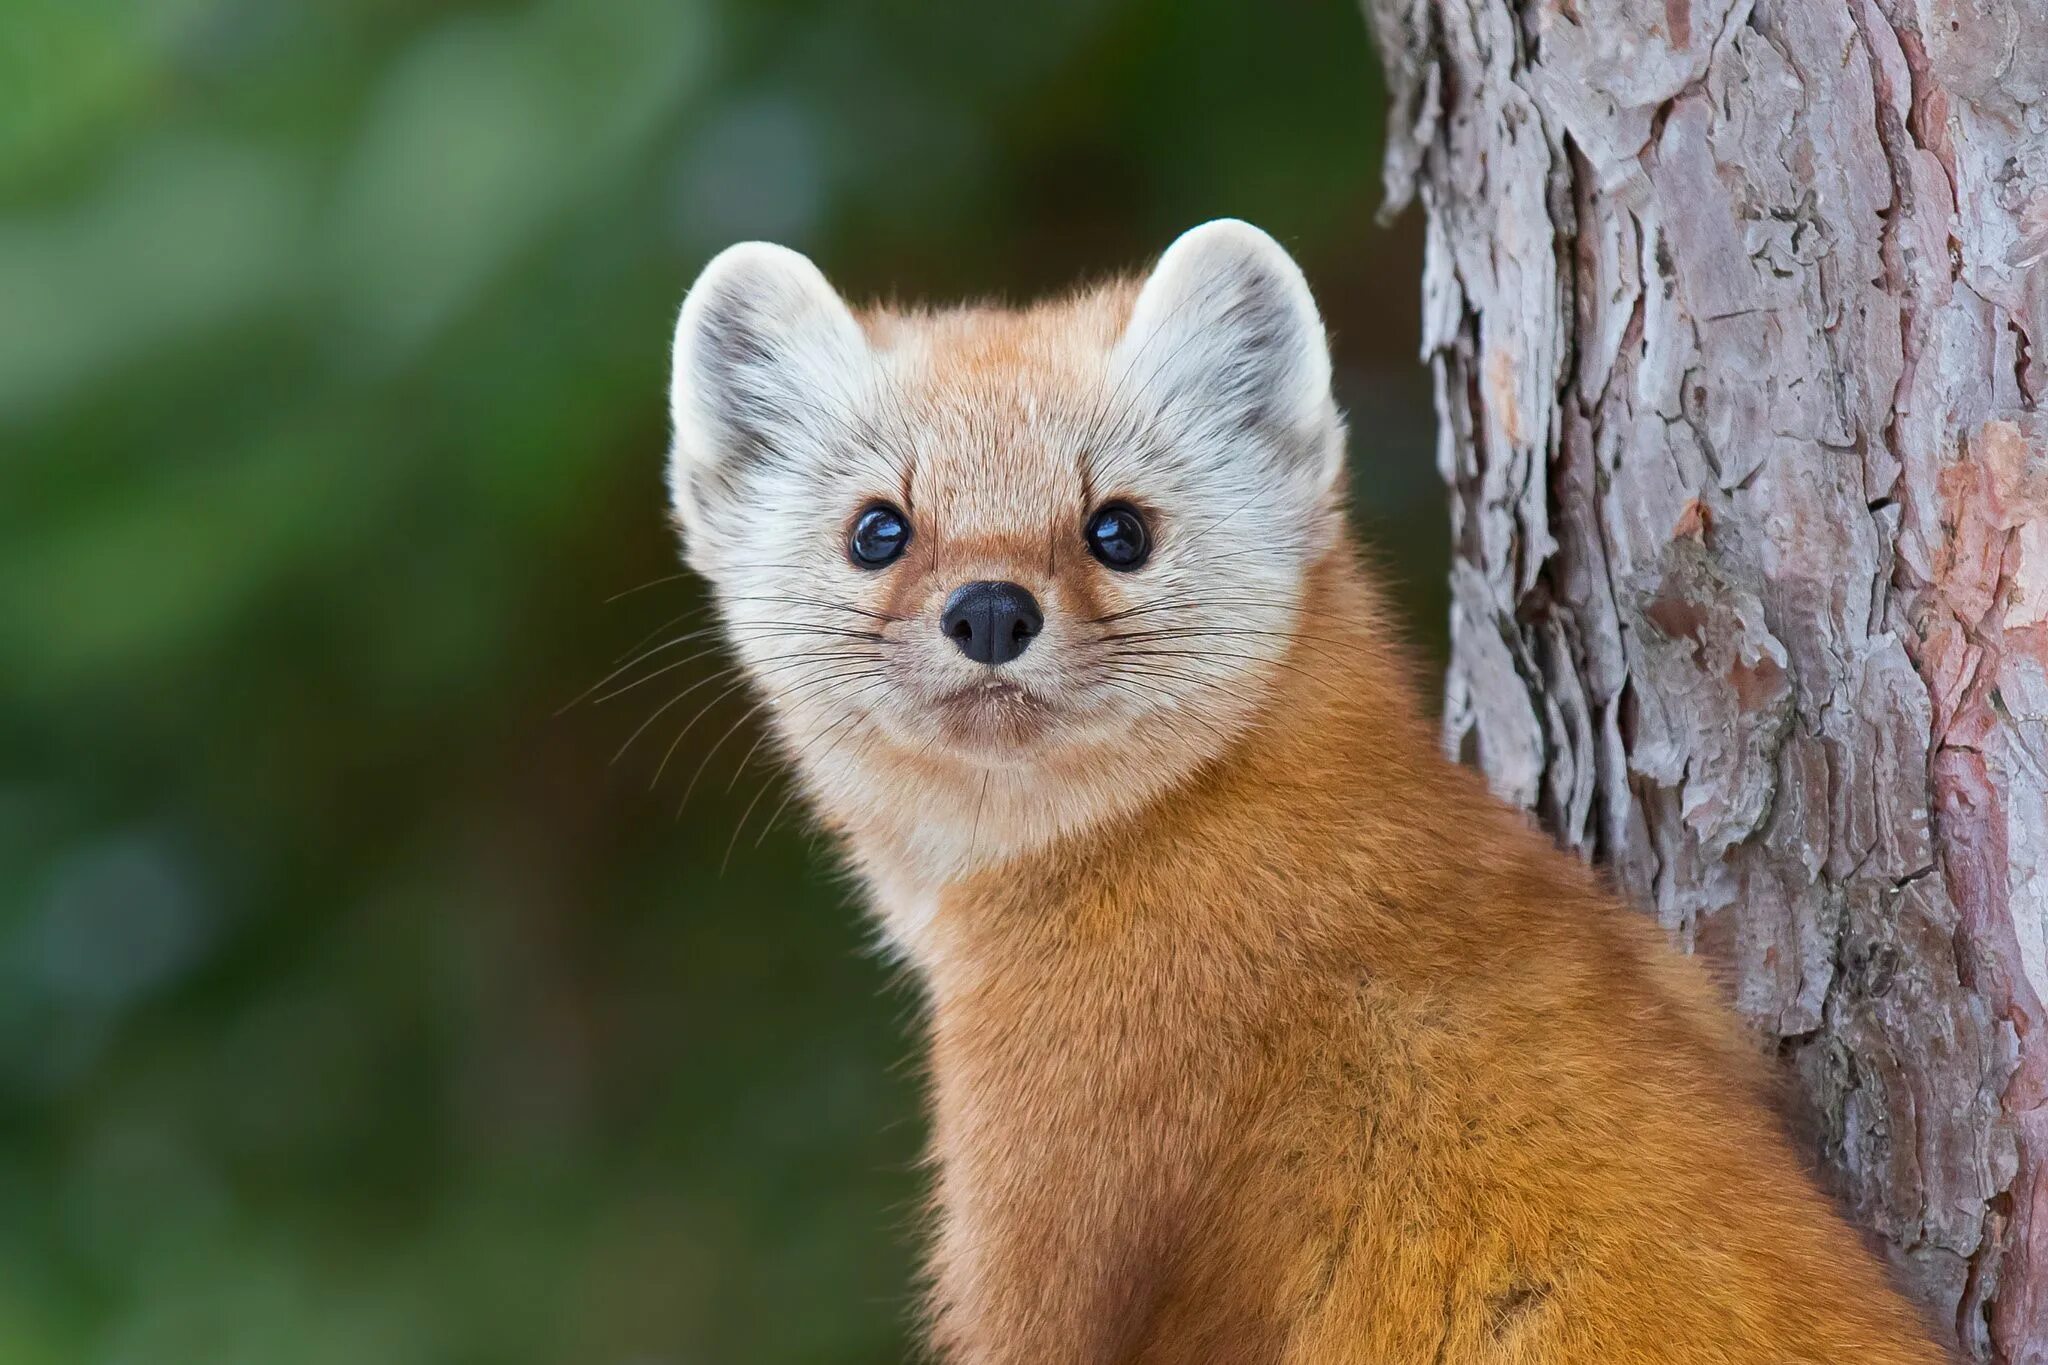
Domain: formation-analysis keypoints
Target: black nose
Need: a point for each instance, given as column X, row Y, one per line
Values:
column 991, row 622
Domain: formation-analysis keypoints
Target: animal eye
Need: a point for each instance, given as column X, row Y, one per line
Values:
column 879, row 534
column 1117, row 536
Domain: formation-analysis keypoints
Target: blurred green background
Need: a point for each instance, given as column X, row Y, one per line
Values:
column 354, row 1006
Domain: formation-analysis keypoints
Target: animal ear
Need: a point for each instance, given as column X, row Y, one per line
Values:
column 766, row 354
column 1226, row 341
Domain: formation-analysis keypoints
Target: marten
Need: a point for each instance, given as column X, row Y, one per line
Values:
column 1259, row 1031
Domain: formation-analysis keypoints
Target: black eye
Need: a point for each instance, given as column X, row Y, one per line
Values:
column 1117, row 537
column 879, row 534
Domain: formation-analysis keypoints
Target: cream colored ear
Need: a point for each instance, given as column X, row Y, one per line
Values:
column 767, row 356
column 1226, row 342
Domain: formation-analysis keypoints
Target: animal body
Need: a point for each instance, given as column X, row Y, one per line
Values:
column 1259, row 1031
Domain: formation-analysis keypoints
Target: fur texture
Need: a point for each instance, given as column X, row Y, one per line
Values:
column 1259, row 1032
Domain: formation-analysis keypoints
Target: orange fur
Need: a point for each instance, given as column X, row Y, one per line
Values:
column 1327, row 1057
column 1259, row 1031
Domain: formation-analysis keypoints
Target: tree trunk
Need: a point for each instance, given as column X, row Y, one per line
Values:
column 1737, row 320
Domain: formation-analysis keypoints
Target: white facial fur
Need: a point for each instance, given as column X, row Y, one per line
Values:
column 1205, row 403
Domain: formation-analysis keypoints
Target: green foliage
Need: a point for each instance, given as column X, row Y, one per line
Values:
column 353, row 1007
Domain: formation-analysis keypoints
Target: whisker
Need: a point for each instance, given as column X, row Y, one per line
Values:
column 642, row 727
column 650, row 583
column 675, row 620
column 1191, row 602
column 670, row 752
column 761, row 630
column 624, row 688
column 1204, row 654
column 785, row 695
column 1197, row 680
column 1183, row 634
column 745, row 815
column 778, row 665
column 796, row 765
column 705, row 761
column 684, row 638
column 791, row 600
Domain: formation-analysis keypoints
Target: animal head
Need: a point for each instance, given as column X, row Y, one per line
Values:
column 1002, row 573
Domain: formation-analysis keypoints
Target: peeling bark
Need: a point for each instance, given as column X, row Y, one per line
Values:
column 1738, row 319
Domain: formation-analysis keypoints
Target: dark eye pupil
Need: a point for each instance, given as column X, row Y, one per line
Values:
column 879, row 535
column 1117, row 537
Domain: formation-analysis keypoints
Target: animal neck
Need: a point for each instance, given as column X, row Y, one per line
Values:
column 1102, row 1014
